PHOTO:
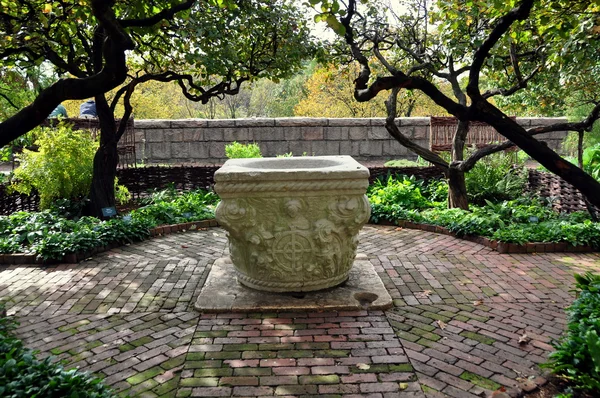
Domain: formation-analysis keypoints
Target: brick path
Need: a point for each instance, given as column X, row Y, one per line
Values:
column 127, row 315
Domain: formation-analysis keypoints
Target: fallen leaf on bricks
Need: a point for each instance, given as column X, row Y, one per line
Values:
column 524, row 339
column 423, row 294
column 363, row 366
column 441, row 324
column 402, row 386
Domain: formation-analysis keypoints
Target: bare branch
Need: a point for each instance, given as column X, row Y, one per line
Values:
column 162, row 15
column 390, row 125
column 516, row 14
column 521, row 84
column 364, row 92
column 584, row 125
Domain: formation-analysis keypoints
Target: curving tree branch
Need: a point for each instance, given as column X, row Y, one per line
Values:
column 110, row 76
column 519, row 13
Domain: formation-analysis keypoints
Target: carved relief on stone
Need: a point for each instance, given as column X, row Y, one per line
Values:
column 293, row 240
column 289, row 238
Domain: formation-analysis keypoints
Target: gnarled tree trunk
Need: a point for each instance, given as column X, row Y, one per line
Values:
column 457, row 187
column 102, row 193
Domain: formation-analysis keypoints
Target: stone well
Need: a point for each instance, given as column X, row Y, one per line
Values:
column 293, row 223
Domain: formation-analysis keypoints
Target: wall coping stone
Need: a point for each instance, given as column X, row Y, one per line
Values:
column 220, row 122
column 313, row 121
column 152, row 123
column 189, row 123
column 414, row 121
column 255, row 122
column 300, row 121
column 349, row 122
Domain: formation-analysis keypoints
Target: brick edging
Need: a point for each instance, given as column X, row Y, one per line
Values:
column 500, row 247
column 73, row 258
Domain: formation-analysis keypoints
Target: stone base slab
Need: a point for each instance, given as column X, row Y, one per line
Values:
column 223, row 293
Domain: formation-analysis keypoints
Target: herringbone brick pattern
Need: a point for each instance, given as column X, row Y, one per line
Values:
column 460, row 308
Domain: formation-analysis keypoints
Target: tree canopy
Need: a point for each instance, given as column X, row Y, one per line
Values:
column 209, row 47
column 499, row 48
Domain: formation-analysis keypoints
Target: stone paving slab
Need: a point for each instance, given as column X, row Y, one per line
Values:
column 223, row 293
column 459, row 308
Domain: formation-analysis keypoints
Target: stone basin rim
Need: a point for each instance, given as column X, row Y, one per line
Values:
column 320, row 167
column 290, row 164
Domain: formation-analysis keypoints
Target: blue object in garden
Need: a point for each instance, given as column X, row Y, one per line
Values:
column 60, row 110
column 109, row 211
column 88, row 109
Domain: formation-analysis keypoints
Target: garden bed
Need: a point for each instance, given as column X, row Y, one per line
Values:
column 72, row 258
column 501, row 247
column 60, row 234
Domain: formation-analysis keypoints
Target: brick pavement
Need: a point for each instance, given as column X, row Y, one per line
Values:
column 127, row 315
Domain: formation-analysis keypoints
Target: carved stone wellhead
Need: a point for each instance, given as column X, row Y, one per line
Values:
column 293, row 223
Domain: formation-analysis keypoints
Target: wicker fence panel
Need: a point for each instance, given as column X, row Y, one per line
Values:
column 425, row 173
column 564, row 196
column 141, row 181
column 11, row 202
column 480, row 134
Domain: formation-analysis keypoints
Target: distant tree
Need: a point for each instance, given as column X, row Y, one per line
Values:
column 329, row 94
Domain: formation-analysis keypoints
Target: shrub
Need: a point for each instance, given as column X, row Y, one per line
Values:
column 23, row 375
column 235, row 150
column 517, row 221
column 61, row 168
column 401, row 190
column 591, row 161
column 577, row 355
column 497, row 177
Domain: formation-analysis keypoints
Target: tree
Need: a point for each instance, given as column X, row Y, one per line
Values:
column 509, row 43
column 329, row 94
column 209, row 48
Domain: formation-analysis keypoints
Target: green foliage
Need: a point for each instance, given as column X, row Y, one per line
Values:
column 61, row 168
column 496, row 177
column 591, row 161
column 170, row 207
column 401, row 191
column 577, row 355
column 518, row 221
column 51, row 235
column 23, row 375
column 401, row 163
column 235, row 150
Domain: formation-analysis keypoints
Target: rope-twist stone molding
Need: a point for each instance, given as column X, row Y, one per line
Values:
column 321, row 185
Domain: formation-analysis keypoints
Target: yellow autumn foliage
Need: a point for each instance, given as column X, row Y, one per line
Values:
column 329, row 93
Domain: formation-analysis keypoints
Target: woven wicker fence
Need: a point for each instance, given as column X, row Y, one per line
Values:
column 143, row 180
column 11, row 202
column 480, row 134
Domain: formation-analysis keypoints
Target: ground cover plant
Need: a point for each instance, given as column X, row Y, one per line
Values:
column 577, row 355
column 521, row 220
column 55, row 232
column 24, row 375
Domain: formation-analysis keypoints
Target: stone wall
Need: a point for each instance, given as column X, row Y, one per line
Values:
column 203, row 141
